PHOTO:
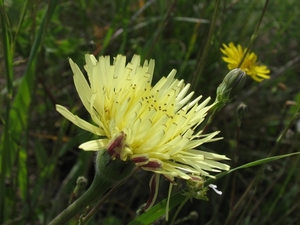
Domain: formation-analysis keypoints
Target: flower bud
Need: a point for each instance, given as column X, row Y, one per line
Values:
column 79, row 189
column 112, row 170
column 232, row 84
column 196, row 189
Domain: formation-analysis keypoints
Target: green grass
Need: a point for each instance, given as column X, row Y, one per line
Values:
column 39, row 156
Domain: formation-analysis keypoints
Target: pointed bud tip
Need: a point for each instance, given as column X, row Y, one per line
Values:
column 232, row 83
column 235, row 80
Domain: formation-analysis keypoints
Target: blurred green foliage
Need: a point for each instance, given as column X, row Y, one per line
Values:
column 39, row 158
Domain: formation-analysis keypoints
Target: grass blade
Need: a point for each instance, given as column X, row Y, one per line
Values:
column 17, row 112
column 5, row 140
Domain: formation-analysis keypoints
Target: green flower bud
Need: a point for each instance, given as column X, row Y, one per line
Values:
column 80, row 188
column 232, row 84
column 112, row 170
column 196, row 189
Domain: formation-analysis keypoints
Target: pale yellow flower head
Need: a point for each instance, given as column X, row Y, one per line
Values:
column 154, row 127
column 234, row 55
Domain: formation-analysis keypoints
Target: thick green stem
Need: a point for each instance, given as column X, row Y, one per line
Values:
column 108, row 172
column 94, row 193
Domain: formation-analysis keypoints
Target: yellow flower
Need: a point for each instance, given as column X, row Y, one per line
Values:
column 234, row 55
column 154, row 127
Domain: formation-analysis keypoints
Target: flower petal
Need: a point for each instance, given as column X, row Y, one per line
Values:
column 78, row 121
column 94, row 145
column 234, row 55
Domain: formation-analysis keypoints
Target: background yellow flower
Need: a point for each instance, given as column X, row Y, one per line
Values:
column 234, row 55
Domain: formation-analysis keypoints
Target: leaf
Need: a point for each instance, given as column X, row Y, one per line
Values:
column 158, row 210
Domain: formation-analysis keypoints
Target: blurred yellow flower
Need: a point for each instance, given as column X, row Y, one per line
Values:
column 154, row 127
column 234, row 55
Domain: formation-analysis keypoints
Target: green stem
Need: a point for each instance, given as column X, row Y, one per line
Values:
column 208, row 43
column 94, row 193
column 6, row 140
column 161, row 27
column 108, row 172
column 253, row 37
column 178, row 210
column 105, row 197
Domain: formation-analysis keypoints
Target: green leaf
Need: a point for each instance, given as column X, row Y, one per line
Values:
column 23, row 173
column 251, row 164
column 158, row 210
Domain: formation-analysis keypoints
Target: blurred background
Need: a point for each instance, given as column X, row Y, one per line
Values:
column 40, row 159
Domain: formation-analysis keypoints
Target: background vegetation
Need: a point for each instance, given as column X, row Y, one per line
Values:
column 40, row 160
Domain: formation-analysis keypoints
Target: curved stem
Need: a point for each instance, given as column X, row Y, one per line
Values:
column 178, row 210
column 202, row 56
column 108, row 172
column 104, row 198
column 94, row 193
column 253, row 37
